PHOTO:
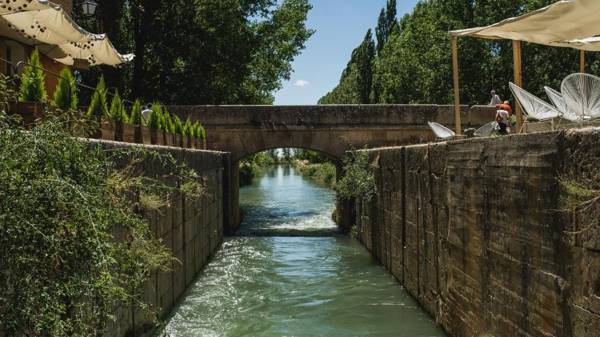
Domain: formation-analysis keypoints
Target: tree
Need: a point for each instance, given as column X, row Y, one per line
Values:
column 386, row 23
column 65, row 96
column 356, row 82
column 98, row 106
column 32, row 81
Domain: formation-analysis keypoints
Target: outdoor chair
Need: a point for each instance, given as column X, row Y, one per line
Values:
column 533, row 106
column 441, row 132
column 487, row 130
column 559, row 102
column 581, row 93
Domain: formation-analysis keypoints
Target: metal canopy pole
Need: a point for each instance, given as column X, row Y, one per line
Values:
column 457, row 121
column 518, row 77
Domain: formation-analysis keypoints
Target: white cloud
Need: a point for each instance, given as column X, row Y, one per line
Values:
column 301, row 83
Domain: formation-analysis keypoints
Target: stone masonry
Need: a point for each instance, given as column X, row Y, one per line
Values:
column 487, row 235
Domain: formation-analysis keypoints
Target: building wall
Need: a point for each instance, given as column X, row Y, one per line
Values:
column 481, row 234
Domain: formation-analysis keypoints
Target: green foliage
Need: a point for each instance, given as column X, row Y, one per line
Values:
column 188, row 129
column 168, row 124
column 98, row 105
column 199, row 131
column 177, row 125
column 386, row 24
column 117, row 110
column 413, row 64
column 65, row 96
column 8, row 91
column 155, row 118
column 32, row 81
column 356, row 81
column 136, row 113
column 358, row 180
column 224, row 51
column 321, row 173
column 63, row 271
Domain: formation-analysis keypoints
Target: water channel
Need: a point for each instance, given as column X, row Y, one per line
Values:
column 271, row 282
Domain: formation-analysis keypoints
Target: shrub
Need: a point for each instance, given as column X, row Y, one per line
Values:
column 358, row 180
column 169, row 126
column 154, row 120
column 117, row 111
column 32, row 81
column 65, row 96
column 177, row 125
column 199, row 131
column 136, row 113
column 63, row 272
column 98, row 105
column 188, row 129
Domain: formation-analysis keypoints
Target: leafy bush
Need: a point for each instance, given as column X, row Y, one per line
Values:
column 188, row 129
column 32, row 81
column 358, row 180
column 65, row 96
column 177, row 125
column 168, row 124
column 136, row 113
column 199, row 131
column 154, row 120
column 117, row 111
column 63, row 271
column 8, row 92
column 98, row 105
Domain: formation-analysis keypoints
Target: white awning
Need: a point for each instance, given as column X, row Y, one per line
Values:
column 46, row 25
column 566, row 23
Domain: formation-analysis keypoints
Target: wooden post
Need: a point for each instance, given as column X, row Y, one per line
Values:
column 582, row 61
column 457, row 121
column 518, row 79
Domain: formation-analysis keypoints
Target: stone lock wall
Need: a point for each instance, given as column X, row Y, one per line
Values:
column 486, row 237
column 191, row 229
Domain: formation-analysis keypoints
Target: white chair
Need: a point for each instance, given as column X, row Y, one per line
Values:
column 559, row 102
column 487, row 130
column 533, row 106
column 581, row 93
column 440, row 131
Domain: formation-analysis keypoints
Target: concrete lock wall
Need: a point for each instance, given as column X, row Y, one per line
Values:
column 485, row 236
column 191, row 229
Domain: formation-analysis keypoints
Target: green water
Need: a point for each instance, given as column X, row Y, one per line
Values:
column 295, row 286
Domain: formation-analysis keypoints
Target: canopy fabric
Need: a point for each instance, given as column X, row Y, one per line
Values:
column 46, row 25
column 566, row 23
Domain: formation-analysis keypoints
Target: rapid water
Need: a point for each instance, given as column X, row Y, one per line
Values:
column 295, row 286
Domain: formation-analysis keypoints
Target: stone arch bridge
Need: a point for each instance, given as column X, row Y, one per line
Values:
column 329, row 129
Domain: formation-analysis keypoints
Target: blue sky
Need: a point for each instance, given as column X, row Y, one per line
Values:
column 340, row 27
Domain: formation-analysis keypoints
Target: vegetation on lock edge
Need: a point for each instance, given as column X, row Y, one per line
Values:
column 315, row 166
column 62, row 202
column 32, row 81
column 358, row 181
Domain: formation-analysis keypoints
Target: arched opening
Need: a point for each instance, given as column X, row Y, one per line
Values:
column 287, row 192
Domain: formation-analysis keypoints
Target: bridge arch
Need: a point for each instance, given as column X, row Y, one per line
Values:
column 331, row 129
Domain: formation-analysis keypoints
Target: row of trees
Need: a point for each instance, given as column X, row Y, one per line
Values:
column 32, row 89
column 411, row 61
column 201, row 51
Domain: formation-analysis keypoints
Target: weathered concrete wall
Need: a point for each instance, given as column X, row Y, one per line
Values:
column 480, row 233
column 191, row 229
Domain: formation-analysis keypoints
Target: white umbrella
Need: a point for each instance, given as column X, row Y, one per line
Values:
column 46, row 25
